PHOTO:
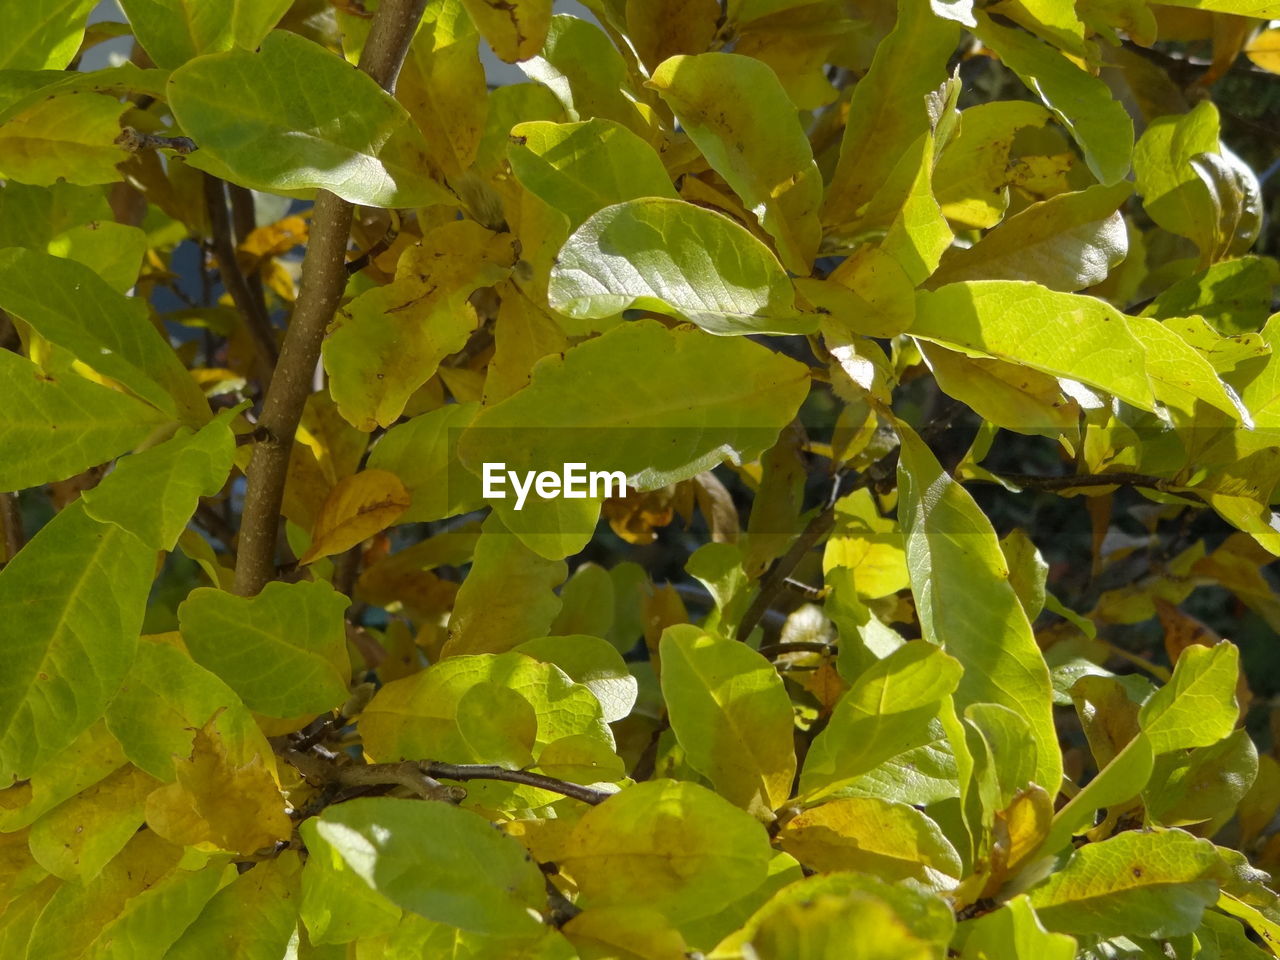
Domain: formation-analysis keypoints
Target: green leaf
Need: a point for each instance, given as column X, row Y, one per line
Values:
column 507, row 597
column 152, row 922
column 175, row 31
column 888, row 112
column 1014, row 932
column 389, row 341
column 887, row 711
column 165, row 698
column 423, row 452
column 1143, row 884
column 337, row 905
column 91, row 757
column 437, row 860
column 42, row 35
column 284, row 651
column 1058, row 333
column 677, row 847
column 674, row 258
column 592, row 662
column 154, row 493
column 59, row 424
column 254, row 916
column 739, row 115
column 1222, row 938
column 1203, row 785
column 78, row 589
column 418, row 716
column 339, row 131
column 70, row 305
column 1197, row 707
column 732, row 717
column 1066, row 243
column 587, row 74
column 965, row 602
column 587, row 604
column 1173, row 195
column 1262, row 9
column 579, row 168
column 1081, row 102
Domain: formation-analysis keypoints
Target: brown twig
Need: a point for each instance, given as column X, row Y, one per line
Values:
column 11, row 521
column 252, row 309
column 244, row 222
column 1118, row 479
column 481, row 771
column 772, row 650
column 324, row 276
column 135, row 141
column 775, row 581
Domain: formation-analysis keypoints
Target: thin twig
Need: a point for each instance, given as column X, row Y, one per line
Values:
column 135, row 141
column 11, row 521
column 772, row 650
column 324, row 276
column 775, row 581
column 244, row 222
column 1118, row 479
column 251, row 308
column 481, row 771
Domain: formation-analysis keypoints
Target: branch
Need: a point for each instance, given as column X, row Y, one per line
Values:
column 771, row 651
column 324, row 276
column 1118, row 479
column 480, row 771
column 252, row 309
column 775, row 581
column 244, row 222
column 11, row 523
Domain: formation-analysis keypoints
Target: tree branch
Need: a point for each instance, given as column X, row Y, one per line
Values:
column 252, row 309
column 324, row 276
column 1049, row 484
column 480, row 771
column 775, row 581
column 11, row 523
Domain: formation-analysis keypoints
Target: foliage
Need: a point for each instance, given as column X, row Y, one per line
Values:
column 936, row 342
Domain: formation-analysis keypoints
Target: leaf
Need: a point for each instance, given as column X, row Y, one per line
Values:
column 587, row 603
column 592, row 662
column 868, row 545
column 740, row 117
column 1264, row 50
column 254, row 916
column 888, row 113
column 339, row 132
column 337, row 905
column 1058, row 333
column 423, row 453
column 77, row 839
column 91, row 757
column 1082, row 103
column 43, row 35
column 62, row 138
column 1144, row 884
column 69, row 305
column 154, row 493
column 389, row 341
column 674, row 258
column 965, row 602
column 507, row 597
column 650, row 379
column 165, row 698
column 175, row 31
column 72, row 603
column 887, row 711
column 41, row 408
column 515, row 29
column 580, row 168
column 624, row 932
column 676, row 847
column 732, row 717
column 889, row 840
column 359, row 506
column 234, row 806
column 294, row 630
column 417, row 717
column 1066, row 243
column 1206, row 785
column 1197, row 707
column 437, row 860
column 1014, row 932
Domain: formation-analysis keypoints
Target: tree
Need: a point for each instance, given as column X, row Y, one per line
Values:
column 933, row 343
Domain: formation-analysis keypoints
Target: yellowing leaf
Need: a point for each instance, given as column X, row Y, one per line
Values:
column 176, row 31
column 893, row 841
column 388, row 342
column 676, row 847
column 1264, row 50
column 232, row 806
column 515, row 29
column 358, row 507
column 736, row 111
column 69, row 138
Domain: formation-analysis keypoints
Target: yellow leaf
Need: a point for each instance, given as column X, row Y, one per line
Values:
column 625, row 933
column 236, row 808
column 357, row 507
column 1264, row 50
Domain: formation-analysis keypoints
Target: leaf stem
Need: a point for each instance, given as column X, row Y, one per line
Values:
column 324, row 277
